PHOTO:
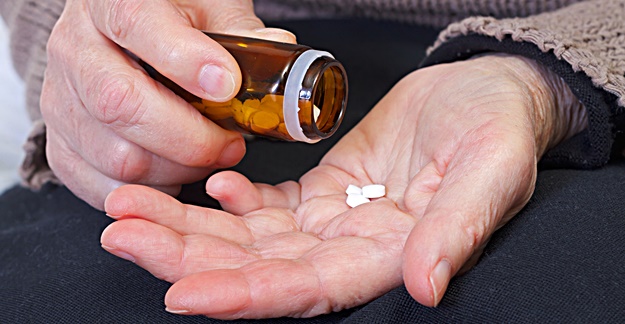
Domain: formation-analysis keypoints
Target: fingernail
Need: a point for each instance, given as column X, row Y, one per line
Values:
column 439, row 278
column 232, row 154
column 177, row 311
column 278, row 34
column 217, row 82
column 119, row 254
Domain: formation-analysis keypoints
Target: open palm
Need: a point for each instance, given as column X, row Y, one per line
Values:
column 456, row 147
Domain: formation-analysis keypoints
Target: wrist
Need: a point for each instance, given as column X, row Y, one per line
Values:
column 554, row 111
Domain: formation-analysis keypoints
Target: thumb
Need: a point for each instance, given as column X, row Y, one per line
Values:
column 480, row 191
column 237, row 17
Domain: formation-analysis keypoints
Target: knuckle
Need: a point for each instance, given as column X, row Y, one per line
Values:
column 116, row 100
column 172, row 52
column 54, row 45
column 127, row 164
column 473, row 236
column 58, row 48
column 122, row 17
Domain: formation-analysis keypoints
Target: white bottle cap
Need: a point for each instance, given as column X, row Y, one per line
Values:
column 293, row 92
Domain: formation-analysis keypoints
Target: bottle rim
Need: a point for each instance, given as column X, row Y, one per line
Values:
column 294, row 92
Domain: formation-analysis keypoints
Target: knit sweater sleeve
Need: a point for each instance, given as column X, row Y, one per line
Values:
column 30, row 23
column 583, row 43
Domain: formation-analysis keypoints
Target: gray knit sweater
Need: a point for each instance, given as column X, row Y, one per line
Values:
column 575, row 38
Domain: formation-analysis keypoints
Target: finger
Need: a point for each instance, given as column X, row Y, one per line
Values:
column 125, row 161
column 315, row 284
column 326, row 180
column 130, row 163
column 167, row 254
column 236, row 18
column 91, row 186
column 172, row 46
column 421, row 189
column 287, row 245
column 239, row 196
column 171, row 256
column 479, row 191
column 143, row 202
column 316, row 214
column 379, row 219
column 142, row 111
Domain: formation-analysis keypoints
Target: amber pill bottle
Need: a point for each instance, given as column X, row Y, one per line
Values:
column 289, row 92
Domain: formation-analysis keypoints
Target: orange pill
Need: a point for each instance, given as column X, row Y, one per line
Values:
column 271, row 98
column 238, row 111
column 252, row 103
column 247, row 114
column 263, row 121
column 218, row 113
column 272, row 103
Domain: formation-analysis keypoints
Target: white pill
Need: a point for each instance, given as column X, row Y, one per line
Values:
column 374, row 191
column 353, row 190
column 356, row 200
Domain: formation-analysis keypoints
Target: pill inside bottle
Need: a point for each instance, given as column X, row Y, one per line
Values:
column 289, row 92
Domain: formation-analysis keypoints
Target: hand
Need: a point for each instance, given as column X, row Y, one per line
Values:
column 456, row 146
column 109, row 124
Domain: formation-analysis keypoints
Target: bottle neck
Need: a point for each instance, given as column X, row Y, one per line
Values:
column 315, row 96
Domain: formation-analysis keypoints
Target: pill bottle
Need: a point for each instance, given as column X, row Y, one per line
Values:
column 289, row 92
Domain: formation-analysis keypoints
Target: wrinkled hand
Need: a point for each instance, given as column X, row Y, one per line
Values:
column 456, row 146
column 109, row 124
